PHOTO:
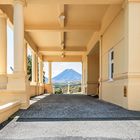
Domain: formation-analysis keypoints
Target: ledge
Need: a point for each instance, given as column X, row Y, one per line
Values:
column 7, row 109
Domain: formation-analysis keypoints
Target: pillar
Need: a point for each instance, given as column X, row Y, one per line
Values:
column 68, row 92
column 18, row 81
column 3, row 50
column 132, row 37
column 33, row 68
column 40, row 71
column 18, row 37
column 25, row 57
column 50, row 73
column 36, row 68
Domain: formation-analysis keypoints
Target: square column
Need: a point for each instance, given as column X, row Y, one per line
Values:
column 49, row 86
column 50, row 73
column 3, row 50
column 132, row 24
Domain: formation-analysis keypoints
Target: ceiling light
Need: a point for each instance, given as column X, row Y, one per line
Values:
column 62, row 17
column 62, row 46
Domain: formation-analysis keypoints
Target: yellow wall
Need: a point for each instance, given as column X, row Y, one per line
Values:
column 120, row 31
column 114, row 38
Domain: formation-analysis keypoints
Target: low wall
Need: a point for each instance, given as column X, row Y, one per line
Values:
column 36, row 89
column 8, row 96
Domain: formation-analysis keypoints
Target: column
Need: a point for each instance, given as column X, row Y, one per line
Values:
column 3, row 44
column 18, row 37
column 3, row 50
column 40, row 71
column 50, row 73
column 25, row 57
column 33, row 68
column 68, row 92
column 36, row 68
column 131, row 90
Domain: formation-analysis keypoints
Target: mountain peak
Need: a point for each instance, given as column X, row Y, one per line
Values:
column 68, row 75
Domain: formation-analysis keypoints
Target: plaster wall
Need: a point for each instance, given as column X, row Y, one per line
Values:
column 114, row 38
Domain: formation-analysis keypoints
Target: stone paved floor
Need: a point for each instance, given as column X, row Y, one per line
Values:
column 73, row 107
column 72, row 117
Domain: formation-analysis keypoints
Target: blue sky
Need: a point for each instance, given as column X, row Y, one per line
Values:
column 10, row 49
column 57, row 67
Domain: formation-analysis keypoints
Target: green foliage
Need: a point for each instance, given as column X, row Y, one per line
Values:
column 43, row 76
column 29, row 67
column 79, row 90
column 58, row 91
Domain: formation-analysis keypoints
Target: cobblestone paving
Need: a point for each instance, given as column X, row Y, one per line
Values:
column 75, row 107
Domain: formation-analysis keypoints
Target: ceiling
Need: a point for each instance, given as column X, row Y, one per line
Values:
column 63, row 26
column 44, row 26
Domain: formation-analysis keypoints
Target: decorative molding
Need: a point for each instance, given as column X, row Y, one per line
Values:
column 2, row 14
column 23, row 2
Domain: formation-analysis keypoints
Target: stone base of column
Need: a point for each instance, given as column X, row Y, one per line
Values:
column 92, row 89
column 40, row 88
column 19, row 83
column 3, row 81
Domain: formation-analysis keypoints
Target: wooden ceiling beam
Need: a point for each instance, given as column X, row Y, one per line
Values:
column 101, row 2
column 73, row 49
column 33, row 28
column 67, row 58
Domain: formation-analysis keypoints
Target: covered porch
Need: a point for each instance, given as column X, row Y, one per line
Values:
column 102, row 34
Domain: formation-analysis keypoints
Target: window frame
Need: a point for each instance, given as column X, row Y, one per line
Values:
column 111, row 65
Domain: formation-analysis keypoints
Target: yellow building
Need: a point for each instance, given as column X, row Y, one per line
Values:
column 102, row 34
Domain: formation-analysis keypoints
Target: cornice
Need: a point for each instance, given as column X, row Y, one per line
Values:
column 2, row 14
column 23, row 2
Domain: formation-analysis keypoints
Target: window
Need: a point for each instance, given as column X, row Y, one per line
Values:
column 111, row 64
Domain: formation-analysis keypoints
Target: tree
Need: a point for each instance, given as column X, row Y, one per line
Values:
column 44, row 78
column 29, row 67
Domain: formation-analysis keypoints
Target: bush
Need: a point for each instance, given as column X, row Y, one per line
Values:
column 58, row 91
